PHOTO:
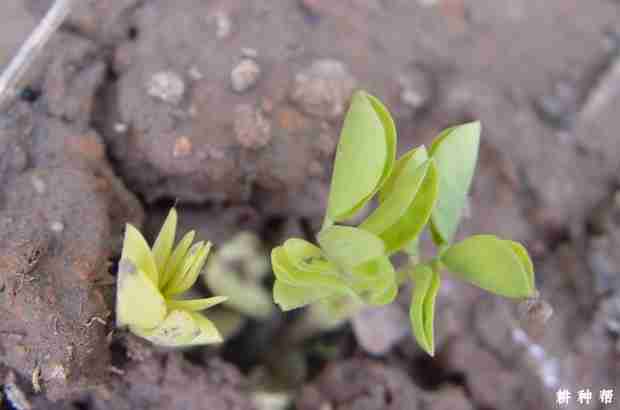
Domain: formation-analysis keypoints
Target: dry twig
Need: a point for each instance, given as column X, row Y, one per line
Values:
column 31, row 49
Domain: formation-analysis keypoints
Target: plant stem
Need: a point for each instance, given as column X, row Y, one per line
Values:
column 31, row 49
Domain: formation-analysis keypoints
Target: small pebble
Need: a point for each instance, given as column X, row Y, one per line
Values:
column 550, row 373
column 166, row 86
column 223, row 24
column 195, row 73
column 559, row 108
column 38, row 184
column 416, row 90
column 411, row 98
column 611, row 314
column 249, row 52
column 520, row 337
column 267, row 105
column 600, row 262
column 324, row 88
column 536, row 351
column 378, row 328
column 57, row 226
column 252, row 129
column 57, row 371
column 120, row 128
column 245, row 75
column 182, row 147
column 534, row 314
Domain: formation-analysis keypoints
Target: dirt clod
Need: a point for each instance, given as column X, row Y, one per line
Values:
column 360, row 385
column 252, row 129
column 416, row 91
column 57, row 233
column 378, row 329
column 170, row 382
column 245, row 75
column 182, row 147
column 168, row 86
column 223, row 24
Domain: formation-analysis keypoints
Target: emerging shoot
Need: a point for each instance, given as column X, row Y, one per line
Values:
column 350, row 265
column 150, row 285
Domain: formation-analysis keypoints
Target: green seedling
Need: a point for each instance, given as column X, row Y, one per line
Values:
column 237, row 270
column 421, row 189
column 150, row 285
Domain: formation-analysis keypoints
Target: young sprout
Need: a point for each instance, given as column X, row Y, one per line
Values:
column 237, row 270
column 423, row 188
column 151, row 282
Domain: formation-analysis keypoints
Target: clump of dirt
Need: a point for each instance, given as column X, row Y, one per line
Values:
column 72, row 79
column 148, row 379
column 62, row 210
column 167, row 381
column 213, row 139
column 360, row 384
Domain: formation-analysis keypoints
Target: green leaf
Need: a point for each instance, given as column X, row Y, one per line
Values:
column 138, row 301
column 209, row 334
column 492, row 264
column 391, row 137
column 375, row 281
column 411, row 224
column 412, row 160
column 413, row 247
column 176, row 260
column 402, row 192
column 455, row 152
column 349, row 247
column 289, row 272
column 290, row 297
column 194, row 304
column 183, row 282
column 422, row 310
column 186, row 264
column 245, row 295
column 178, row 329
column 165, row 240
column 526, row 262
column 306, row 256
column 333, row 311
column 136, row 250
column 364, row 157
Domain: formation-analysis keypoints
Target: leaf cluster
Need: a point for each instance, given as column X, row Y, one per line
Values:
column 150, row 286
column 423, row 188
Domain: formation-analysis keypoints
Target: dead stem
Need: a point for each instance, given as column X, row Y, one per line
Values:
column 31, row 49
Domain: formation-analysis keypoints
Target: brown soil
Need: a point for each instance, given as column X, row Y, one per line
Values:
column 232, row 109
